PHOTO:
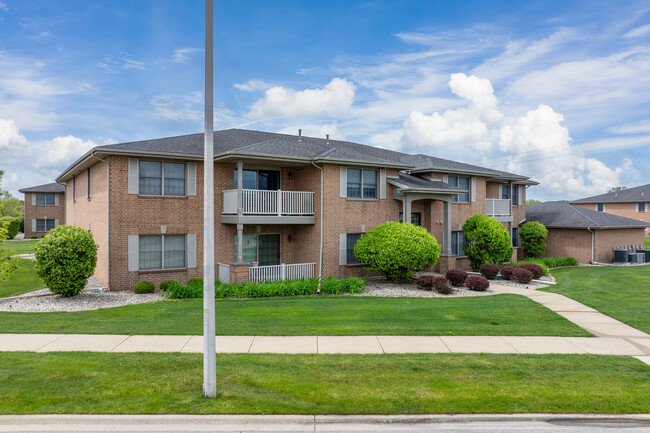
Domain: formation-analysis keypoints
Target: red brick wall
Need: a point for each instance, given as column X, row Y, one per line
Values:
column 577, row 243
column 606, row 240
column 42, row 212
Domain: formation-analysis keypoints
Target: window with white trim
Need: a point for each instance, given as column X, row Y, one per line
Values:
column 161, row 252
column 642, row 207
column 362, row 183
column 45, row 199
column 515, row 237
column 459, row 182
column 161, row 178
column 267, row 180
column 504, row 192
column 45, row 225
column 515, row 195
column 600, row 207
column 457, row 242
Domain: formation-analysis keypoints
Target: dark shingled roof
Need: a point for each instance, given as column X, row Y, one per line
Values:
column 561, row 214
column 48, row 187
column 630, row 195
column 421, row 183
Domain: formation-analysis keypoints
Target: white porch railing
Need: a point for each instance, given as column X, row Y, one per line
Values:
column 261, row 202
column 281, row 272
column 497, row 207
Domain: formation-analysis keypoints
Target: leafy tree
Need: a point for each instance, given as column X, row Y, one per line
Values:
column 13, row 225
column 9, row 205
column 533, row 238
column 8, row 263
column 486, row 241
column 65, row 258
column 397, row 250
column 532, row 201
column 616, row 188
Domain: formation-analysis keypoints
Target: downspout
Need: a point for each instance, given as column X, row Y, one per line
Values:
column 108, row 221
column 320, row 258
column 592, row 244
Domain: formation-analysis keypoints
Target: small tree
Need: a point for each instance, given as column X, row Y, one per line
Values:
column 8, row 263
column 13, row 225
column 533, row 238
column 486, row 241
column 65, row 258
column 397, row 250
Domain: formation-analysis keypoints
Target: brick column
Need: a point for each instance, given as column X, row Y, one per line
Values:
column 446, row 263
column 239, row 272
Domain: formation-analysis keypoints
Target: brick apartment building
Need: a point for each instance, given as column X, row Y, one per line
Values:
column 629, row 203
column 44, row 208
column 274, row 194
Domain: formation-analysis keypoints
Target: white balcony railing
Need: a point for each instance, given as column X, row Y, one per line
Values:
column 281, row 272
column 261, row 202
column 497, row 207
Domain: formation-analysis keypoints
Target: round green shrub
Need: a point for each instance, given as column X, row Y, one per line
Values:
column 65, row 258
column 164, row 286
column 487, row 241
column 144, row 287
column 33, row 237
column 456, row 277
column 533, row 238
column 13, row 225
column 477, row 283
column 397, row 250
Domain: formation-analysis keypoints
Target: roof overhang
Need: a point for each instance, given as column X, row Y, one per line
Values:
column 402, row 188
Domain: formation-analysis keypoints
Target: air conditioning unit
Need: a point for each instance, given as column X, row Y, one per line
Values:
column 636, row 257
column 620, row 255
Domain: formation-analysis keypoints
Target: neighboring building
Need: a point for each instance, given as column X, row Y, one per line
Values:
column 44, row 208
column 145, row 205
column 586, row 234
column 629, row 203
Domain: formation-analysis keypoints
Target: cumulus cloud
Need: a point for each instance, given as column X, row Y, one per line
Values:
column 61, row 150
column 638, row 32
column 181, row 55
column 335, row 99
column 10, row 136
column 471, row 126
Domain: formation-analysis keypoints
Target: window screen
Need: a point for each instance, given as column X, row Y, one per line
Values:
column 174, row 251
column 351, row 241
column 460, row 183
column 174, row 179
column 150, row 178
column 354, row 183
column 150, row 252
column 44, row 199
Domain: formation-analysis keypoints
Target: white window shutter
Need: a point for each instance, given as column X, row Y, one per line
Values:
column 34, row 225
column 520, row 199
column 382, row 183
column 191, row 178
column 472, row 189
column 134, row 176
column 343, row 254
column 56, row 199
column 344, row 182
column 33, row 199
column 191, row 250
column 56, row 223
column 445, row 178
column 134, row 252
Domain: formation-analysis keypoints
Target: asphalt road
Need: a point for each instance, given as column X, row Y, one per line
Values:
column 326, row 423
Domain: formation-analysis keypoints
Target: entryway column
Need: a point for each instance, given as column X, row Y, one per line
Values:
column 446, row 237
column 240, row 243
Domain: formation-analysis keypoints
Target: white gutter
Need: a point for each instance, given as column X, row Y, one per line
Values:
column 320, row 258
column 592, row 243
column 108, row 220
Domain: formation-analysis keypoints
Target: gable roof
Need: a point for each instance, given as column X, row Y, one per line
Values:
column 630, row 195
column 231, row 144
column 561, row 214
column 414, row 183
column 48, row 187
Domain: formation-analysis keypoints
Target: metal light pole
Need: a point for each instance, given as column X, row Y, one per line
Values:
column 209, row 349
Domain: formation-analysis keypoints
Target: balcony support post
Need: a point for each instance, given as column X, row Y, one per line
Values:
column 446, row 237
column 279, row 202
column 240, row 243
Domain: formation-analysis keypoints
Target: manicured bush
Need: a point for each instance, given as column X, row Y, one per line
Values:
column 477, row 283
column 165, row 285
column 142, row 287
column 425, row 282
column 522, row 276
column 537, row 261
column 441, row 285
column 456, row 277
column 556, row 262
column 179, row 291
column 196, row 282
column 487, row 241
column 533, row 238
column 65, row 258
column 397, row 250
column 13, row 226
column 534, row 269
column 33, row 237
column 8, row 263
column 506, row 271
column 489, row 270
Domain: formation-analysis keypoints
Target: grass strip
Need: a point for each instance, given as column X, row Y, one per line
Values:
column 22, row 281
column 619, row 292
column 21, row 247
column 109, row 383
column 310, row 315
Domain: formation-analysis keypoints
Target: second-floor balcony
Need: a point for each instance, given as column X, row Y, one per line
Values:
column 498, row 208
column 268, row 207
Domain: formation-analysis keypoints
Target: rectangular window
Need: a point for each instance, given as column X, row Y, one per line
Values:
column 362, row 183
column 600, row 207
column 416, row 218
column 161, row 252
column 504, row 192
column 45, row 199
column 457, row 242
column 44, row 225
column 157, row 178
column 266, row 180
column 515, row 237
column 262, row 248
column 90, row 182
column 642, row 207
column 351, row 241
column 515, row 195
column 461, row 183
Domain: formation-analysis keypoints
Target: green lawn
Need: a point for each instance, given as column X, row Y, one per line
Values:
column 620, row 292
column 22, row 281
column 647, row 243
column 310, row 315
column 110, row 383
column 21, row 247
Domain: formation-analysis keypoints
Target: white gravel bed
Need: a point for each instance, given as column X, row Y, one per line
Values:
column 388, row 289
column 89, row 299
column 530, row 285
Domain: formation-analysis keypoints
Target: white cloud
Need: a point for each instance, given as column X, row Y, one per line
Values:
column 638, row 32
column 469, row 126
column 253, row 86
column 641, row 127
column 335, row 99
column 60, row 151
column 10, row 136
column 181, row 55
column 133, row 64
column 4, row 7
column 165, row 106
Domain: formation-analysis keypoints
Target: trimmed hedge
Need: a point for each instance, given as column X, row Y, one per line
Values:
column 425, row 282
column 522, row 276
column 534, row 269
column 441, row 285
column 533, row 238
column 487, row 241
column 13, row 226
column 456, row 277
column 165, row 285
column 142, row 287
column 477, row 283
column 489, row 270
column 506, row 271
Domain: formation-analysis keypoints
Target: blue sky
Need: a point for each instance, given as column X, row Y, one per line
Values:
column 558, row 91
